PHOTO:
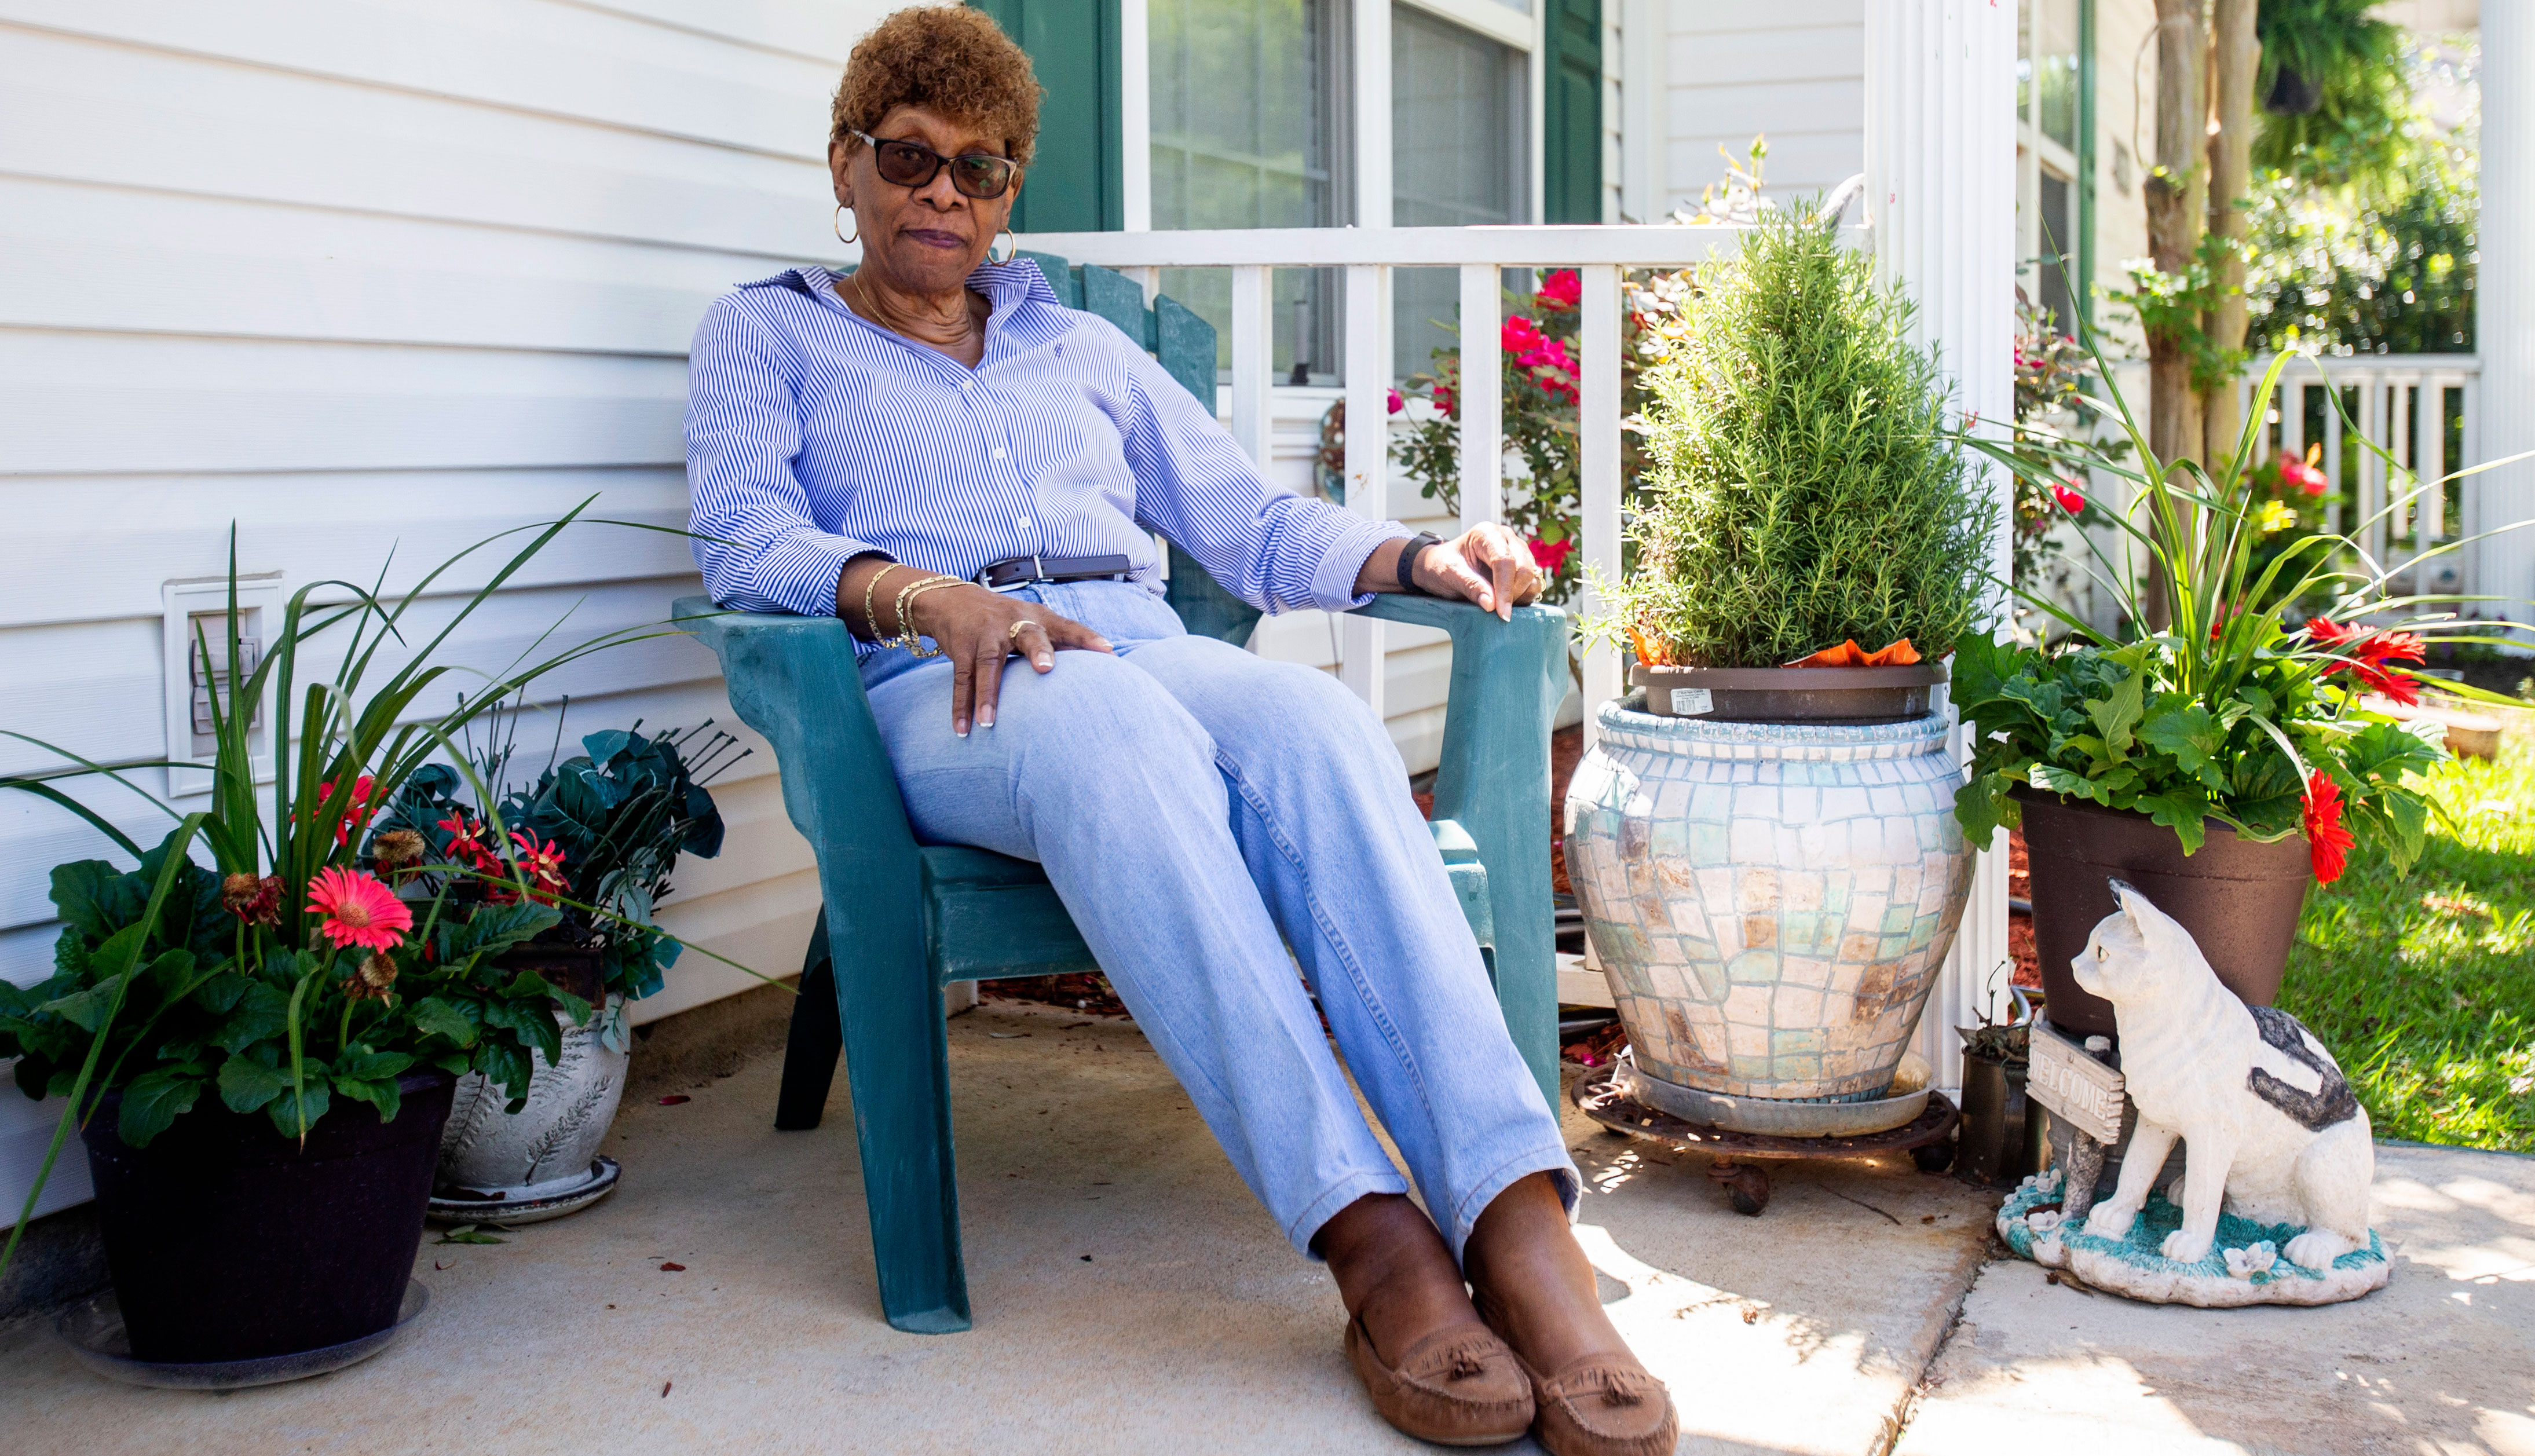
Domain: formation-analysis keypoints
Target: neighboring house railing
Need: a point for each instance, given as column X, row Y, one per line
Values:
column 2422, row 409
column 1369, row 256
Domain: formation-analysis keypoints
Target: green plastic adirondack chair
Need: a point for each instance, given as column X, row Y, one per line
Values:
column 902, row 920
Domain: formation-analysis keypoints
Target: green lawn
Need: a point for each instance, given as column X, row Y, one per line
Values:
column 2424, row 987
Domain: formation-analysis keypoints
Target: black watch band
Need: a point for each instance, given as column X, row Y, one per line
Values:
column 1409, row 555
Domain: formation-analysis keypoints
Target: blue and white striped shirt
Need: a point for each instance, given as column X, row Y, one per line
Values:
column 814, row 437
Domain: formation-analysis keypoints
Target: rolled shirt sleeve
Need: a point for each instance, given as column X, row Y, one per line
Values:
column 754, row 539
column 1195, row 484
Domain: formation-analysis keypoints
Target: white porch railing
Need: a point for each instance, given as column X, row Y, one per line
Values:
column 2422, row 409
column 1481, row 254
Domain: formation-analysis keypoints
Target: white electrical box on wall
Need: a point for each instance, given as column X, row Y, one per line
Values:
column 196, row 619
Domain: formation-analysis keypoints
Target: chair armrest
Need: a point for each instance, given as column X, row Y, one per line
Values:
column 793, row 680
column 1493, row 778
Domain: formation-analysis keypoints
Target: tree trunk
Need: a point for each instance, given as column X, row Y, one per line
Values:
column 2177, row 204
column 2235, row 57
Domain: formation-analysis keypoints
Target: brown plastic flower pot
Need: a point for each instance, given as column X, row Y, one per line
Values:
column 1790, row 694
column 2238, row 899
column 577, row 970
column 229, row 1242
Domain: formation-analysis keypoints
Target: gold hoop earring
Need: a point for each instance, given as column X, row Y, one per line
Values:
column 1009, row 254
column 834, row 227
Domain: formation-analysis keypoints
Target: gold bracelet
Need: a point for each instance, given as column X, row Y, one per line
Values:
column 870, row 624
column 907, row 618
column 908, row 637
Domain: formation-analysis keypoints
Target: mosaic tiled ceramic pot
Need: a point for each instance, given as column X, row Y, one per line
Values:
column 1770, row 901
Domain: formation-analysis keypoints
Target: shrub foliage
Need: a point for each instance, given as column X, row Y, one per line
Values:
column 1807, row 490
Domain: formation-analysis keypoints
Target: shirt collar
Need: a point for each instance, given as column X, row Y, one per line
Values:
column 1004, row 285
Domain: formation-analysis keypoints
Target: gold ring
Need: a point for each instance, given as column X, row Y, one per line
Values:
column 1012, row 635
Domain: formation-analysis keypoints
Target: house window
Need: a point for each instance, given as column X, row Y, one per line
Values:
column 1456, row 106
column 1248, row 106
column 1243, row 136
column 2046, row 139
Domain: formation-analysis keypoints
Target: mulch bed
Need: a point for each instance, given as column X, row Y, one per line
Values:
column 1087, row 992
column 2019, row 923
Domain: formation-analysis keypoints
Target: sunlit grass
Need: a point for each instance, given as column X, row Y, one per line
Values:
column 2424, row 987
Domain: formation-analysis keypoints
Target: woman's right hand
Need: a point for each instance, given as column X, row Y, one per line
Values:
column 978, row 630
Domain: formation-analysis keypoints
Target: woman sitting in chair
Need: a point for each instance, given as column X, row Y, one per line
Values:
column 935, row 451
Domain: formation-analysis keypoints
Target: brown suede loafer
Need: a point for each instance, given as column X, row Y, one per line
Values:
column 1460, row 1387
column 1603, row 1405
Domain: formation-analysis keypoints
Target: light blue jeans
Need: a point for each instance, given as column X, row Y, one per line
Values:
column 1200, row 809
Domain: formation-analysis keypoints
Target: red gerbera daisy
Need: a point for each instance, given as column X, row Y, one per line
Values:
column 2366, row 654
column 359, row 910
column 365, row 795
column 2327, row 842
column 543, row 863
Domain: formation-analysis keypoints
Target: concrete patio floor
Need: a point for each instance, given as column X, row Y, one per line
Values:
column 1130, row 1297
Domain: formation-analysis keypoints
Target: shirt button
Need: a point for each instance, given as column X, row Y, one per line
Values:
column 999, row 451
column 1021, row 521
column 967, row 383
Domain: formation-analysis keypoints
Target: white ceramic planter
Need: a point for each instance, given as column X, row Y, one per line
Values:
column 1771, row 902
column 550, row 1146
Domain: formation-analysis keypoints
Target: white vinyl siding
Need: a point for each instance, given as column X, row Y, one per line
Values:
column 363, row 276
column 1792, row 69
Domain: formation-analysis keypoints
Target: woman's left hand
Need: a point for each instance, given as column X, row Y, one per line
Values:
column 1486, row 564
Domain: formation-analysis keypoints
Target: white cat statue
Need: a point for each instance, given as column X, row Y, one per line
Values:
column 2274, row 1134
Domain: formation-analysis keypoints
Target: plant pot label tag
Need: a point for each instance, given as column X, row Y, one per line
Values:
column 1692, row 702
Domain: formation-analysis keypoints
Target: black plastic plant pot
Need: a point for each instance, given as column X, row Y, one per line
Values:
column 1982, row 1145
column 229, row 1241
column 1790, row 694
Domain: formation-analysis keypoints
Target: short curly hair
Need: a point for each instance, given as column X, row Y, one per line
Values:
column 951, row 59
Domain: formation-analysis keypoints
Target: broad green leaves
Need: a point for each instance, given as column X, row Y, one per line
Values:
column 247, row 1084
column 2112, row 726
column 152, row 1102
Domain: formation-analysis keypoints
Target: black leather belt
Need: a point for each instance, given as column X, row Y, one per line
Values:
column 1028, row 571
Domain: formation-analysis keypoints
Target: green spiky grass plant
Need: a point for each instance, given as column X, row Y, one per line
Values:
column 2228, row 713
column 1808, row 489
column 175, row 982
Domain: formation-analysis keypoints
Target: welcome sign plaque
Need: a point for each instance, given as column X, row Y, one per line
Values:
column 2085, row 1092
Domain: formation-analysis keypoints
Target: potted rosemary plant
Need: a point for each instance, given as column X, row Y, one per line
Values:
column 259, row 1054
column 1761, row 839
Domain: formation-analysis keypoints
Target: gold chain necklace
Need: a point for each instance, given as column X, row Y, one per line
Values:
column 872, row 312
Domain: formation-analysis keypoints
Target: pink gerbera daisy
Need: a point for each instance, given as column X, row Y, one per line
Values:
column 359, row 910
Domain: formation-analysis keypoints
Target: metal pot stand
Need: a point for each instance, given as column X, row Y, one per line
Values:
column 1740, row 1159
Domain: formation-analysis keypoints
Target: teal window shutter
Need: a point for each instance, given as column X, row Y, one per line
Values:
column 1572, row 132
column 1076, row 181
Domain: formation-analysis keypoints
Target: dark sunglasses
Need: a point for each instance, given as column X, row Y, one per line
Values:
column 910, row 164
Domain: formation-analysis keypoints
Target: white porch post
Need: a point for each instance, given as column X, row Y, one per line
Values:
column 1941, row 196
column 2504, row 311
column 1361, row 648
column 1597, row 470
